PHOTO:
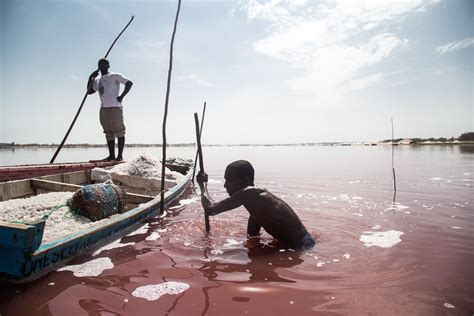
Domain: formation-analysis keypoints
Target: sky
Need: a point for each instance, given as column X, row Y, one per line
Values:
column 271, row 72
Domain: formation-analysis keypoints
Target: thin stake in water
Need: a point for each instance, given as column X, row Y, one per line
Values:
column 201, row 162
column 393, row 167
column 165, row 115
column 200, row 134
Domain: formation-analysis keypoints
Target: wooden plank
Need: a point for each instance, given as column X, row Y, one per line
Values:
column 138, row 198
column 9, row 173
column 53, row 186
column 78, row 177
column 15, row 189
column 58, row 186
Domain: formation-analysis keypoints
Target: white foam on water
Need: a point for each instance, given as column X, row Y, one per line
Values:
column 153, row 292
column 335, row 260
column 356, row 198
column 358, row 214
column 188, row 201
column 90, row 268
column 153, row 237
column 466, row 174
column 141, row 230
column 216, row 252
column 213, row 181
column 386, row 239
column 436, row 179
column 447, row 305
column 376, row 227
column 455, row 227
column 112, row 245
column 347, row 256
column 52, row 283
column 396, row 207
column 232, row 243
column 320, row 264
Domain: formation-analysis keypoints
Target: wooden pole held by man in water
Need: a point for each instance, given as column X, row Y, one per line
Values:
column 201, row 162
column 165, row 115
column 200, row 134
column 85, row 97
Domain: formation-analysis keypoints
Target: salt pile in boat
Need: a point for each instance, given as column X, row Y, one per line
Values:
column 141, row 175
column 61, row 222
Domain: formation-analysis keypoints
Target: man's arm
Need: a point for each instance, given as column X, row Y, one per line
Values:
column 128, row 86
column 213, row 208
column 90, row 82
column 253, row 227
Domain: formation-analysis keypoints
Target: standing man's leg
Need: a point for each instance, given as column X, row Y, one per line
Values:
column 105, row 121
column 119, row 128
column 121, row 144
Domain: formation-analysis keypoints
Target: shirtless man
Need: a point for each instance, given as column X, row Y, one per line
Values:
column 266, row 210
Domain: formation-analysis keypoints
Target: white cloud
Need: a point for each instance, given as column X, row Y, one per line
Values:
column 148, row 50
column 195, row 79
column 331, row 42
column 456, row 45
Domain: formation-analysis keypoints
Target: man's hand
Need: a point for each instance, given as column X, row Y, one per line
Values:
column 201, row 178
column 94, row 74
column 120, row 98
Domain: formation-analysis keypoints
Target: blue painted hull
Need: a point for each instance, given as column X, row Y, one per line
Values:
column 24, row 258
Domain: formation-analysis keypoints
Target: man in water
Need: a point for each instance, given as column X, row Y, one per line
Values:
column 265, row 209
column 111, row 112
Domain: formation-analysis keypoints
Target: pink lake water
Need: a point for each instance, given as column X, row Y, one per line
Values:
column 375, row 256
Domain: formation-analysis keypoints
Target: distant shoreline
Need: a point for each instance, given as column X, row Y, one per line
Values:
column 401, row 142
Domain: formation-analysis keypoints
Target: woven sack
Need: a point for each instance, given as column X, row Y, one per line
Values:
column 98, row 201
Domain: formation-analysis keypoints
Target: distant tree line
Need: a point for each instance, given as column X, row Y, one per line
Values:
column 468, row 136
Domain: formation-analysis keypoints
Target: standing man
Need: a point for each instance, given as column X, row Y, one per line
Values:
column 111, row 112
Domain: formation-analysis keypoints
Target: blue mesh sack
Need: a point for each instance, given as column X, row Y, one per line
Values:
column 98, row 201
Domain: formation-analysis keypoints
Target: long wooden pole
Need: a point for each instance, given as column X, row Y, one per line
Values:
column 393, row 166
column 85, row 97
column 165, row 116
column 201, row 162
column 200, row 134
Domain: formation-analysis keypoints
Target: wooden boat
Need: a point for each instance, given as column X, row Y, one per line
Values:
column 18, row 172
column 25, row 257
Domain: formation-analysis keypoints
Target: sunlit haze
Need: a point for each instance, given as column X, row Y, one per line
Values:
column 270, row 71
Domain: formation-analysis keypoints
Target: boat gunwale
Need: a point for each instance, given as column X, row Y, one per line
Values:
column 117, row 217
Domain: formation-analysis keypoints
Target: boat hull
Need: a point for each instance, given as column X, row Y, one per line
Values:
column 18, row 172
column 24, row 258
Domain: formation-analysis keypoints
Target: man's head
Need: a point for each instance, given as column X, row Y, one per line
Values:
column 238, row 175
column 103, row 65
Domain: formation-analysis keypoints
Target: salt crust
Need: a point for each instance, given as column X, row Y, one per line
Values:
column 153, row 292
column 112, row 245
column 386, row 239
column 90, row 268
column 143, row 166
column 60, row 223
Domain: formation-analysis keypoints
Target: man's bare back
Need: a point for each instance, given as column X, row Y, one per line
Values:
column 266, row 210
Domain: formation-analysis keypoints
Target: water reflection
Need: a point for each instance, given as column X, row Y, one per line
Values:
column 257, row 262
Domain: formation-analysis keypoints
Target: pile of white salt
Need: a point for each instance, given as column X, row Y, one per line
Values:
column 60, row 222
column 143, row 165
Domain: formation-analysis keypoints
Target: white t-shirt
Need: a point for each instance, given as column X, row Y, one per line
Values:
column 109, row 87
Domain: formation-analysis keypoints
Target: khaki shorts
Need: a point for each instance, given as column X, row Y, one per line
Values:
column 111, row 120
